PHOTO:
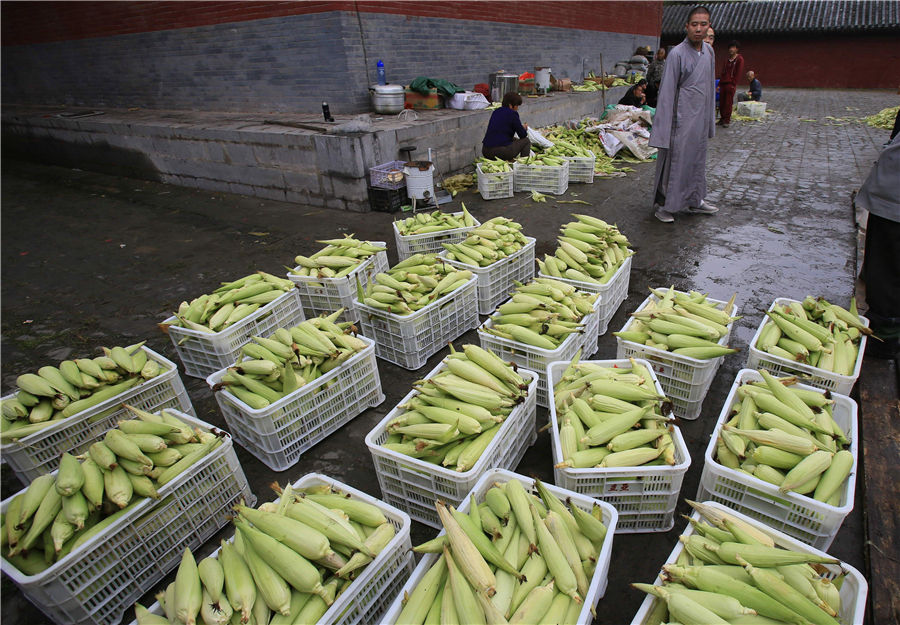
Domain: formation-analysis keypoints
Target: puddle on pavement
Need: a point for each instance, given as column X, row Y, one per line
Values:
column 756, row 263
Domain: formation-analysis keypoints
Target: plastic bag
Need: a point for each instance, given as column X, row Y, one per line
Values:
column 537, row 138
column 637, row 145
column 611, row 144
column 639, row 129
column 467, row 100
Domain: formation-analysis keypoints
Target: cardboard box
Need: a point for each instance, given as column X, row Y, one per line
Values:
column 418, row 101
column 560, row 84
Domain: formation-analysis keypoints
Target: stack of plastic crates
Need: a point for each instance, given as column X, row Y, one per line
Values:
column 413, row 485
column 100, row 580
column 645, row 496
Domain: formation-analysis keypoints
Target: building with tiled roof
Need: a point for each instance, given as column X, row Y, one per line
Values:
column 804, row 43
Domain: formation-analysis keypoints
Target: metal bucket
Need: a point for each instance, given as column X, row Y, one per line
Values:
column 503, row 84
column 542, row 79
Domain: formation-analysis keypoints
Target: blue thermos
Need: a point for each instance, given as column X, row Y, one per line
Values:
column 381, row 78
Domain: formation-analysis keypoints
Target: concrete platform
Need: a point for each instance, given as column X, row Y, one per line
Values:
column 291, row 158
column 91, row 259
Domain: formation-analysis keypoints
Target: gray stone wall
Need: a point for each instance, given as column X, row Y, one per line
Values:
column 292, row 64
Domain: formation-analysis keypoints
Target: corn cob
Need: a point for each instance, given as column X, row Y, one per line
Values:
column 800, row 436
column 515, row 549
column 448, row 401
column 188, row 589
column 672, row 321
column 490, row 242
column 62, row 396
column 436, row 221
column 817, row 326
column 787, row 595
column 607, row 249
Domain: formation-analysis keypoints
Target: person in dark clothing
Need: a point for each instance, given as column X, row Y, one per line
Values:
column 728, row 80
column 881, row 260
column 503, row 126
column 635, row 96
column 654, row 76
column 754, row 93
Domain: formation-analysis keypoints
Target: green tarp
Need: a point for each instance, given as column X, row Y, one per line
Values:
column 423, row 85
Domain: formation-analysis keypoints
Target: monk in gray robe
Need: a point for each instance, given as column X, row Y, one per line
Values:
column 685, row 120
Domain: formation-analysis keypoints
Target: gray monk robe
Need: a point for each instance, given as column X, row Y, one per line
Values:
column 685, row 119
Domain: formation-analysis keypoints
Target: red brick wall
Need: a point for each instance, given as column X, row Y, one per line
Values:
column 41, row 22
column 832, row 61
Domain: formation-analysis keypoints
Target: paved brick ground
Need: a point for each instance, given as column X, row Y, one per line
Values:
column 92, row 260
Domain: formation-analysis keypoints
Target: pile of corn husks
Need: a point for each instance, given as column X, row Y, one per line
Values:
column 883, row 119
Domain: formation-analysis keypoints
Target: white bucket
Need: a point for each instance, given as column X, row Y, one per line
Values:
column 419, row 179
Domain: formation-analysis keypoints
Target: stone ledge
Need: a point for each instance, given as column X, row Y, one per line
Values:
column 267, row 154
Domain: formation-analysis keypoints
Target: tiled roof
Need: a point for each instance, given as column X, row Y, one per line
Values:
column 761, row 17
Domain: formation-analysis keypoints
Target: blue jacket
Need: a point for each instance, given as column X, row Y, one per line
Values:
column 755, row 90
column 502, row 127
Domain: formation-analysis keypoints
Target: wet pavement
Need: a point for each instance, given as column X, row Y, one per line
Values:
column 90, row 260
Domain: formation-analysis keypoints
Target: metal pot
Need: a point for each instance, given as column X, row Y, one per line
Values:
column 388, row 98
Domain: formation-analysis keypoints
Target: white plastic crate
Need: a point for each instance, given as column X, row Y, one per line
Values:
column 536, row 359
column 804, row 518
column 279, row 433
column 360, row 603
column 494, row 186
column 495, row 280
column 843, row 384
column 203, row 353
column 430, row 243
column 644, row 497
column 326, row 295
column 541, row 178
column 386, row 176
column 581, row 168
column 613, row 293
column 413, row 485
column 99, row 581
column 369, row 595
column 752, row 109
column 685, row 380
column 598, row 581
column 409, row 340
column 853, row 591
column 39, row 453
